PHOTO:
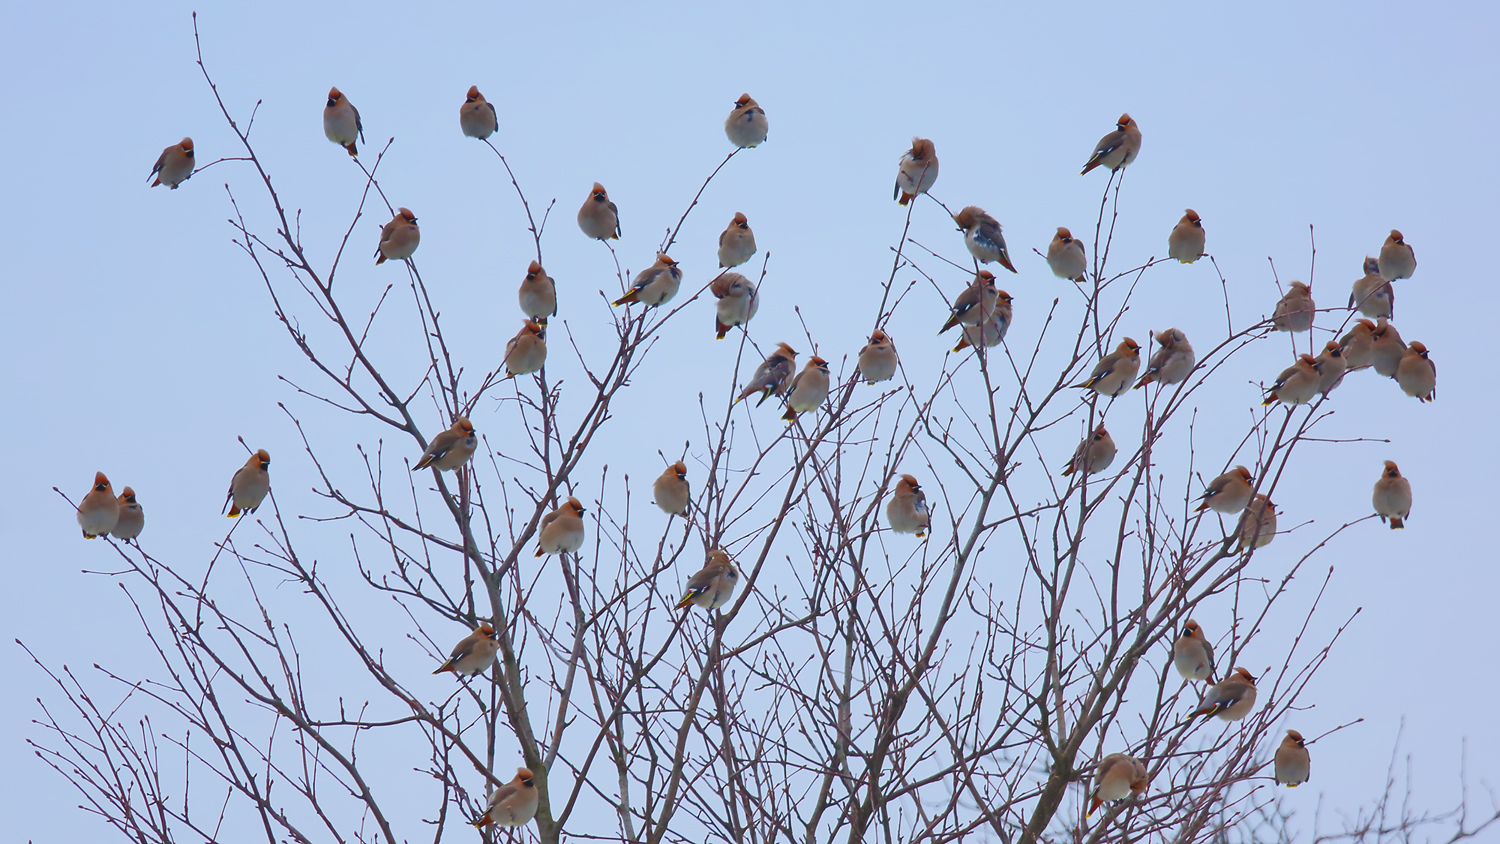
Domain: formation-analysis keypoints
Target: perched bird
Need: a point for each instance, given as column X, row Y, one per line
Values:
column 990, row 332
column 1387, row 350
column 1297, row 384
column 1397, row 259
column 451, row 448
column 561, row 531
column 672, row 490
column 976, row 303
column 878, row 360
column 599, row 218
column 1117, row 149
column 655, row 285
column 907, row 510
column 1094, row 454
column 918, row 171
column 527, row 351
column 341, row 121
column 99, row 510
column 746, row 124
column 738, row 302
column 982, row 237
column 1359, row 344
column 808, row 390
column 713, row 585
column 1065, row 256
column 736, row 242
column 250, row 485
column 1172, row 363
column 476, row 117
column 1117, row 777
column 1193, row 654
column 1257, row 525
column 1114, row 372
column 1229, row 493
column 1231, row 698
column 132, row 518
column 538, row 294
column 1372, row 295
column 1417, row 374
column 1187, row 240
column 174, row 166
column 1293, row 763
column 474, row 653
column 512, row 804
column 1295, row 310
column 1392, row 498
column 772, row 376
column 398, row 238
column 1331, row 365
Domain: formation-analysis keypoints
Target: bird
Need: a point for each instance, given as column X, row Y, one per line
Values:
column 1257, row 525
column 907, row 510
column 398, row 238
column 1187, row 240
column 250, row 485
column 738, row 302
column 1118, row 776
column 975, row 304
column 1066, row 257
column 341, row 123
column 99, row 510
column 1359, row 344
column 451, row 448
column 1397, row 259
column 918, row 171
column 476, row 117
column 1372, row 295
column 655, row 285
column 527, row 351
column 1293, row 763
column 808, row 390
column 1229, row 493
column 1117, row 149
column 1416, row 373
column 1331, row 365
column 132, row 518
column 538, row 294
column 561, row 531
column 878, row 360
column 746, row 125
column 599, row 218
column 1094, row 454
column 1297, row 384
column 1173, row 362
column 982, row 237
column 1392, row 497
column 1295, row 311
column 713, row 585
column 1114, row 372
column 772, row 376
column 736, row 242
column 1230, row 699
column 1387, row 350
column 990, row 332
column 672, row 490
column 474, row 653
column 512, row 804
column 174, row 166
column 1193, row 654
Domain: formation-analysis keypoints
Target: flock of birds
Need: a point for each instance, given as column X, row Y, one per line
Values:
column 981, row 310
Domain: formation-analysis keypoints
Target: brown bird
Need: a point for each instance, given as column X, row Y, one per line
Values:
column 250, row 485
column 1257, row 525
column 976, row 303
column 175, row 165
column 99, row 510
column 1230, row 699
column 672, row 490
column 1392, row 498
column 713, row 585
column 1117, row 777
column 772, row 376
column 1193, row 654
column 1229, row 493
column 1094, row 454
column 561, row 531
column 451, row 448
column 1293, row 762
column 474, row 653
column 132, row 518
column 1117, row 149
column 512, row 804
column 1172, row 363
column 918, row 171
column 1114, row 372
column 1416, row 373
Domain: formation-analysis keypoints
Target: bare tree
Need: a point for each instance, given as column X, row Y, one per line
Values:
column 859, row 685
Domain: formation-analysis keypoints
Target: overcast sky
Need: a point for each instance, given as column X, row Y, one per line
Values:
column 141, row 343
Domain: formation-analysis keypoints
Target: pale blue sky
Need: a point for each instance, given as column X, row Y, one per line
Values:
column 141, row 343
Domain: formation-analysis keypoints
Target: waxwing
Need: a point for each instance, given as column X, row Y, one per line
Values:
column 746, row 124
column 1229, row 493
column 713, row 585
column 1392, row 497
column 1117, row 149
column 561, row 531
column 1187, row 240
column 599, row 218
column 918, row 171
column 450, row 449
column 474, row 653
column 513, row 804
column 99, row 510
column 907, row 510
column 1193, row 654
column 672, row 490
column 1114, row 372
column 250, row 485
column 1231, row 698
column 174, row 166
